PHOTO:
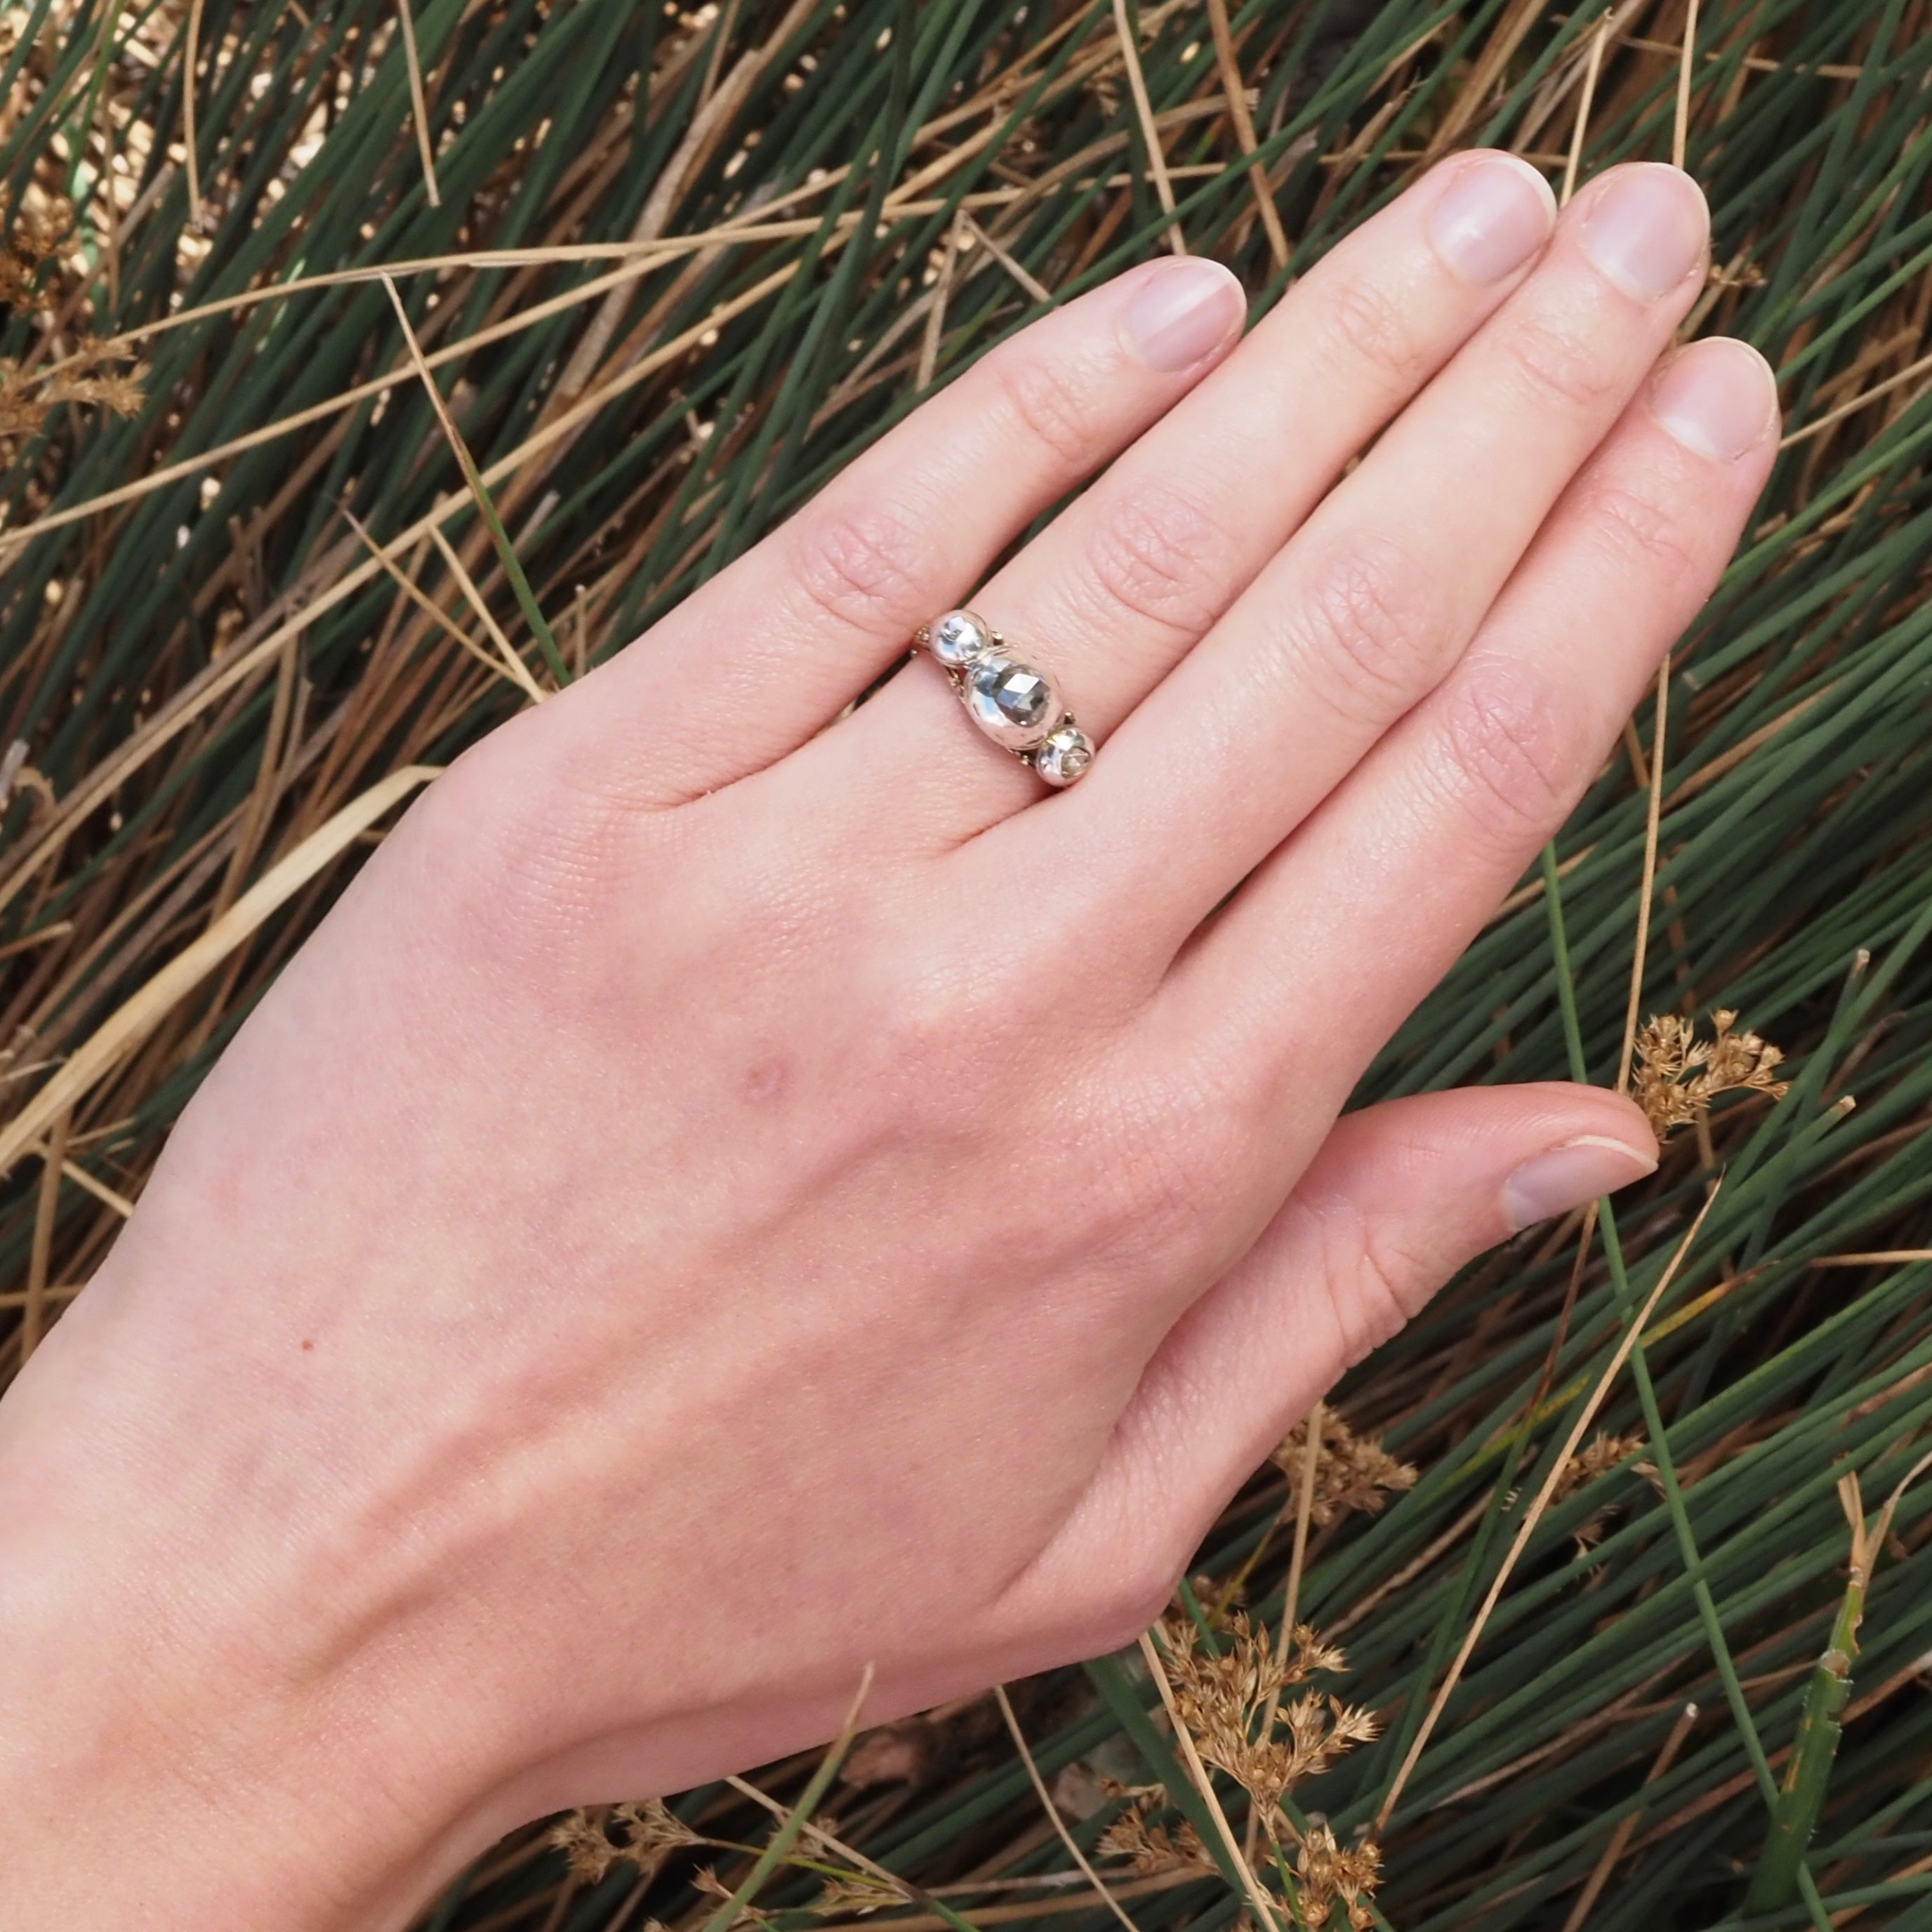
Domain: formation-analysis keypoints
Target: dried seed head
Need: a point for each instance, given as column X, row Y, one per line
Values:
column 586, row 1849
column 1331, row 1876
column 1154, row 1849
column 651, row 1832
column 858, row 1893
column 1678, row 1074
column 1351, row 1472
column 1602, row 1455
column 1225, row 1702
column 34, row 237
column 646, row 1834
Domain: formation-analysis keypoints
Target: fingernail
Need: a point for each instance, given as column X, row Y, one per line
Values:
column 1496, row 213
column 1568, row 1176
column 1647, row 228
column 1182, row 313
column 1718, row 397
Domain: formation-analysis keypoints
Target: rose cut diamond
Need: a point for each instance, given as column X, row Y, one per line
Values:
column 959, row 638
column 1065, row 755
column 1014, row 704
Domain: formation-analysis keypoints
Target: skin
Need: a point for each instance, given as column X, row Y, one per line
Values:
column 729, row 1196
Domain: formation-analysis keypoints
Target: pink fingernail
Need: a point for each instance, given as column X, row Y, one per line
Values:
column 1718, row 397
column 1568, row 1176
column 1646, row 230
column 1182, row 313
column 1497, row 213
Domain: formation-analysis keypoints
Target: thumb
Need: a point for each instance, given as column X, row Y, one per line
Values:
column 1399, row 1197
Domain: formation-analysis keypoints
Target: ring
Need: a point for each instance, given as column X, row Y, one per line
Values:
column 1016, row 704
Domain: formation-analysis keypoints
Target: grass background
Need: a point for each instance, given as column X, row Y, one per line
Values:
column 672, row 269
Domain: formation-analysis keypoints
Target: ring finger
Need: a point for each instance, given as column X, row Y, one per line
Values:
column 1372, row 605
column 1126, row 580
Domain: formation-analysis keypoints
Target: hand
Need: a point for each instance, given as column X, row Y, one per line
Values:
column 729, row 1196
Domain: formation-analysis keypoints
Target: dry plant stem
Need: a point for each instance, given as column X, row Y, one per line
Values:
column 1052, row 1811
column 131, row 1022
column 480, row 495
column 1586, row 101
column 1680, row 136
column 99, row 1189
column 1653, row 818
column 1265, row 1917
column 935, row 315
column 195, row 700
column 1016, row 1910
column 419, row 106
column 54, row 1158
column 1415, row 1567
column 54, row 1297
column 638, row 260
column 1030, row 284
column 1534, row 1515
column 191, row 55
column 1627, row 1826
column 786, row 1836
column 1509, row 35
column 1304, row 1511
column 1680, row 131
column 720, row 38
column 518, row 671
column 1922, row 367
column 817, row 1835
column 430, row 609
column 1130, row 58
column 1233, row 86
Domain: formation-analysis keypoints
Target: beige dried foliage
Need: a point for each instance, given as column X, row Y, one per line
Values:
column 1224, row 1701
column 1353, row 1473
column 1599, row 1458
column 26, row 400
column 1327, row 1874
column 857, row 1893
column 1153, row 1849
column 1679, row 1075
column 586, row 1849
column 35, row 235
column 645, row 1834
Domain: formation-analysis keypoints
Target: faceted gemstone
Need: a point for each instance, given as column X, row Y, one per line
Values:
column 959, row 638
column 1065, row 755
column 1012, row 702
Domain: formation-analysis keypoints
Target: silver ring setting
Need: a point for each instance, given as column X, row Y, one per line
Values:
column 1015, row 703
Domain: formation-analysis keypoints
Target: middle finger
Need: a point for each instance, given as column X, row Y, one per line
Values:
column 1369, row 607
column 1126, row 579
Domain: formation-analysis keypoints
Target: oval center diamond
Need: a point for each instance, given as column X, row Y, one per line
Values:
column 1013, row 702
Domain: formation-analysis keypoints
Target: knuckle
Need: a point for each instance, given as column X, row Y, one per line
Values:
column 1638, row 533
column 1512, row 752
column 1556, row 360
column 1367, row 1280
column 870, row 565
column 1171, row 1153
column 1160, row 556
column 517, row 882
column 941, row 1034
column 1050, row 402
column 1365, row 324
column 1390, row 1283
column 1363, row 630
